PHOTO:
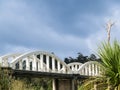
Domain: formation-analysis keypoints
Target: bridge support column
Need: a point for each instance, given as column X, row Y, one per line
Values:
column 54, row 84
column 64, row 84
column 73, row 84
column 95, row 86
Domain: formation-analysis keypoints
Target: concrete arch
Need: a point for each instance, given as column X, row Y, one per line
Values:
column 5, row 59
column 61, row 66
column 10, row 55
column 53, row 65
column 75, row 66
column 91, row 68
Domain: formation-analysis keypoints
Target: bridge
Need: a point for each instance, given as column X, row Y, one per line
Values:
column 45, row 64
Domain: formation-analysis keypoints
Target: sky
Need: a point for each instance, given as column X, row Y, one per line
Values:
column 64, row 27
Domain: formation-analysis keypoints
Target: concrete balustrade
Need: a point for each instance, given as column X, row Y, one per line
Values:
column 91, row 68
column 47, row 63
column 34, row 62
column 41, row 61
column 53, row 64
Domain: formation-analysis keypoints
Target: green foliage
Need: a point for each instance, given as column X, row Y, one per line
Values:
column 88, row 84
column 81, row 58
column 110, row 62
column 18, row 85
column 110, row 56
column 39, row 83
column 9, row 83
column 5, row 79
column 34, row 83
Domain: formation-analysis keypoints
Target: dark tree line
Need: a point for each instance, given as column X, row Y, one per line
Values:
column 81, row 58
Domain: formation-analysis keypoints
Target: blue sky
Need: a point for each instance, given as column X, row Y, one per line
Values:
column 64, row 27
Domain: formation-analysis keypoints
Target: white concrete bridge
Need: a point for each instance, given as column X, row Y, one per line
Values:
column 44, row 64
column 48, row 62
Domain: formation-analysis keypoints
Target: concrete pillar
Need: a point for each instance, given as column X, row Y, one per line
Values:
column 27, row 64
column 93, row 70
column 1, row 60
column 41, row 61
column 53, row 64
column 95, row 86
column 39, row 66
column 96, row 70
column 86, row 70
column 47, row 63
column 73, row 85
column 54, row 84
column 58, row 65
column 99, row 70
column 75, row 67
column 20, row 64
column 64, row 71
column 89, row 67
column 65, row 84
column 72, row 67
column 34, row 63
column 82, row 71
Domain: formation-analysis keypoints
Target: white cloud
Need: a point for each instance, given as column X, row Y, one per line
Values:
column 33, row 31
column 23, row 29
column 101, row 35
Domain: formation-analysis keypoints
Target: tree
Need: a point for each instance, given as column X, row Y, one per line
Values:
column 66, row 60
column 92, row 57
column 81, row 58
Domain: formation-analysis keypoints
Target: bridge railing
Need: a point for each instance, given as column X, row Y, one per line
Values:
column 48, row 62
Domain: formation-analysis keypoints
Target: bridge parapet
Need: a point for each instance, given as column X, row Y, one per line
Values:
column 35, row 61
column 47, row 62
column 5, row 59
column 91, row 68
column 75, row 66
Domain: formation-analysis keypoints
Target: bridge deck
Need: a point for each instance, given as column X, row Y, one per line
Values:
column 25, row 73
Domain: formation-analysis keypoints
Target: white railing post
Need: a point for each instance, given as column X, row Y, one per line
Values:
column 41, row 62
column 90, row 71
column 34, row 63
column 58, row 65
column 53, row 64
column 27, row 64
column 47, row 62
column 20, row 64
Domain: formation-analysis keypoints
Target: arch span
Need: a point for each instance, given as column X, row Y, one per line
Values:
column 40, row 61
column 91, row 68
column 5, row 59
column 75, row 66
column 48, row 62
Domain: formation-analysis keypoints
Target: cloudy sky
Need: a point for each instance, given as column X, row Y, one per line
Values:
column 64, row 27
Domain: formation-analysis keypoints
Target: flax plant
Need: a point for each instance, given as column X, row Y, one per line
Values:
column 110, row 62
column 110, row 56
